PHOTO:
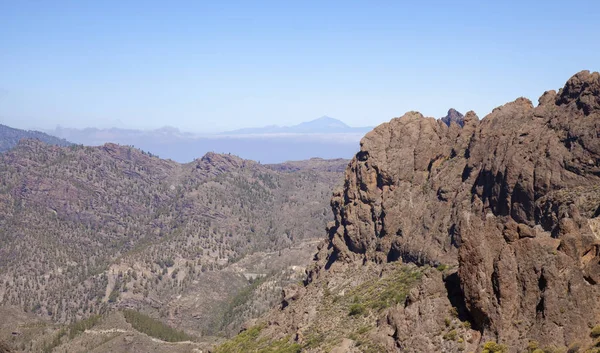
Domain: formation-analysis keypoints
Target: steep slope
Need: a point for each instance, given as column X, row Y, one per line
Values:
column 487, row 235
column 9, row 137
column 85, row 230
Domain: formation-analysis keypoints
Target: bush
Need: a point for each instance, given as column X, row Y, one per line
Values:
column 356, row 309
column 493, row 347
column 450, row 336
column 595, row 331
column 532, row 346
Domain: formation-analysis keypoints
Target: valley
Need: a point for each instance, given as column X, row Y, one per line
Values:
column 202, row 247
column 457, row 234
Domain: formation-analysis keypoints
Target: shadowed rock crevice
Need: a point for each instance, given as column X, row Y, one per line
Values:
column 542, row 285
column 457, row 299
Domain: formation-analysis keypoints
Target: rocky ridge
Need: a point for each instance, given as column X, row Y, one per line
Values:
column 499, row 217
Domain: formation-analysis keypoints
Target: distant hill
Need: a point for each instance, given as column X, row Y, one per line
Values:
column 322, row 125
column 9, row 137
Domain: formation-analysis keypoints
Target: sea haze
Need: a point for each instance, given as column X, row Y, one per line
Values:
column 324, row 138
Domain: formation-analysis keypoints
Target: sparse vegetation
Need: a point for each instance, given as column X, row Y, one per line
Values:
column 382, row 293
column 80, row 326
column 119, row 219
column 356, row 309
column 361, row 303
column 70, row 331
column 451, row 335
column 242, row 297
column 154, row 328
column 250, row 341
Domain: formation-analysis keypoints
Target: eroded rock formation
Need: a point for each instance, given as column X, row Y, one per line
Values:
column 507, row 208
column 515, row 195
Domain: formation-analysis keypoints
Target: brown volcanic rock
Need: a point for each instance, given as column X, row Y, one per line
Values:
column 537, row 167
column 387, row 196
column 401, row 183
column 453, row 116
column 513, row 200
column 518, row 202
column 583, row 89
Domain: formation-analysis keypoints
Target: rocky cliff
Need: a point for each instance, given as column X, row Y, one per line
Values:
column 497, row 221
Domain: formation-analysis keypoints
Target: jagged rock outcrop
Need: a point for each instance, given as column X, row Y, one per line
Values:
column 515, row 195
column 453, row 116
column 396, row 200
column 529, row 257
column 511, row 201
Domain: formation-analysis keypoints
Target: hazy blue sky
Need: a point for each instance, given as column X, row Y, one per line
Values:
column 217, row 65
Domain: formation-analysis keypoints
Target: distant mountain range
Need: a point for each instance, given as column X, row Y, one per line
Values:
column 324, row 137
column 9, row 137
column 322, row 125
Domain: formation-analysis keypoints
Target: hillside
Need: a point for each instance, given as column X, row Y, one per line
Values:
column 482, row 238
column 88, row 230
column 9, row 137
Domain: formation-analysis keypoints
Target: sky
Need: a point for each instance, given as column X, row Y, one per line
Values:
column 205, row 66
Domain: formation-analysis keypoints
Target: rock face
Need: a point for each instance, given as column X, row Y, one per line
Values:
column 453, row 116
column 397, row 196
column 529, row 255
column 507, row 207
column 516, row 195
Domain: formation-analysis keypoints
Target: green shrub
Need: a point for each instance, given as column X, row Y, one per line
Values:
column 451, row 335
column 595, row 331
column 357, row 309
column 493, row 347
column 532, row 346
